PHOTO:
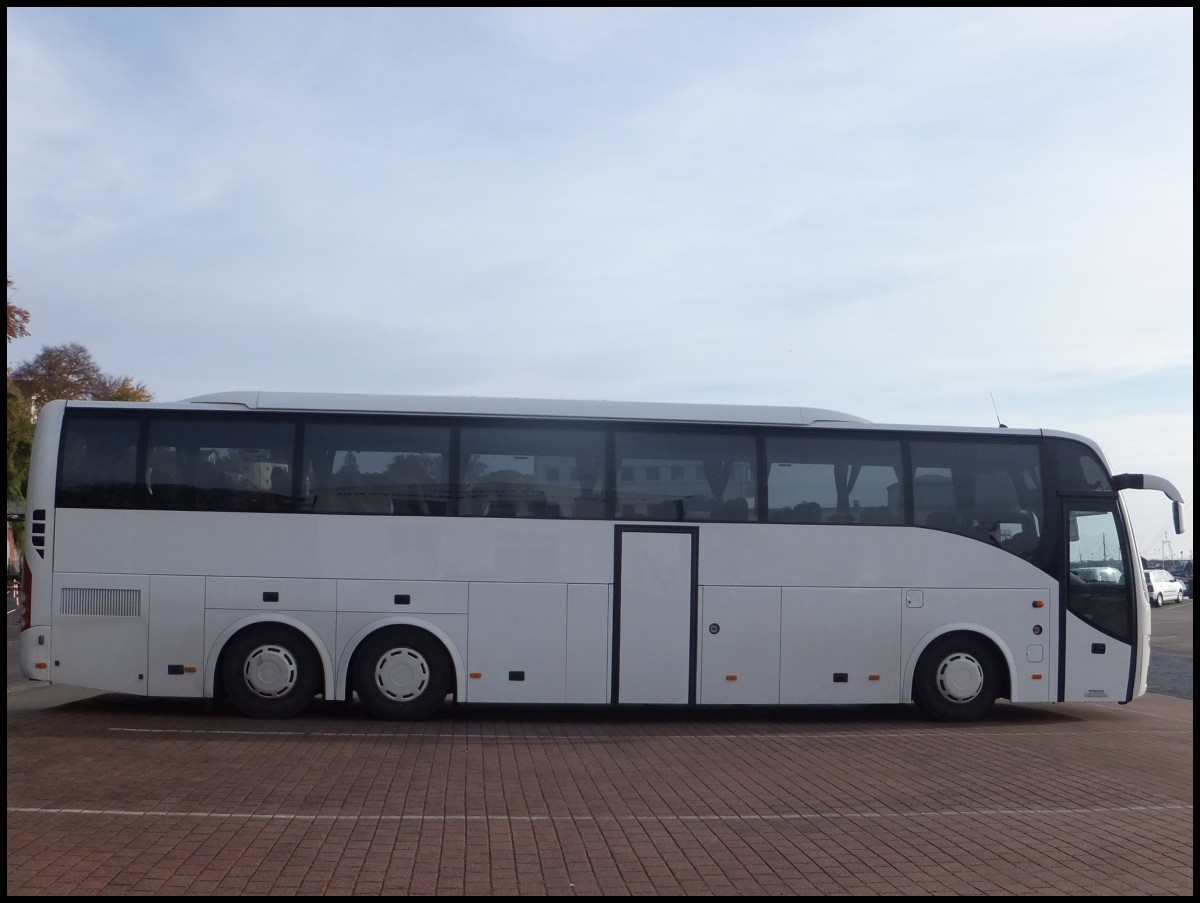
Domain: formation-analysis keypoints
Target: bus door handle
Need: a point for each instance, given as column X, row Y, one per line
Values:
column 914, row 598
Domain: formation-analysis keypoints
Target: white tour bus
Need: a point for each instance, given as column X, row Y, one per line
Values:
column 271, row 548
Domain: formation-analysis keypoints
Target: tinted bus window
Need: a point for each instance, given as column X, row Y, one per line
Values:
column 99, row 462
column 824, row 479
column 1078, row 468
column 686, row 476
column 987, row 490
column 376, row 468
column 220, row 464
column 520, row 472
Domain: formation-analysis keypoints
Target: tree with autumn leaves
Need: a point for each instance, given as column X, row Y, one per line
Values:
column 20, row 423
column 58, row 371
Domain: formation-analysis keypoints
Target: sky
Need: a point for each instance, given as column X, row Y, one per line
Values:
column 923, row 216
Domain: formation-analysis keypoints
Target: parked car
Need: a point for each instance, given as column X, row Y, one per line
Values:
column 1163, row 586
column 1099, row 575
column 1183, row 573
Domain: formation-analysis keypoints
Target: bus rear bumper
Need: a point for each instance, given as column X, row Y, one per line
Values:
column 35, row 653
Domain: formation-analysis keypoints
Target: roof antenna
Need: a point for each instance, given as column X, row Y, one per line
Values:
column 1002, row 426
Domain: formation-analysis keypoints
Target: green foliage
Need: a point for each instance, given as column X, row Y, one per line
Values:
column 18, row 317
column 20, row 441
column 348, row 474
column 60, row 371
column 123, row 388
column 422, row 469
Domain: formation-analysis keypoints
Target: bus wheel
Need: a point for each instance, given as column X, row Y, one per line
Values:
column 270, row 672
column 956, row 679
column 402, row 675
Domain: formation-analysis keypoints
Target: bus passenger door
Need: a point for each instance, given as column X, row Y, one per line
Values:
column 1100, row 633
column 654, row 614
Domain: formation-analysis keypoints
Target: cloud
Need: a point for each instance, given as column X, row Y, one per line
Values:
column 896, row 213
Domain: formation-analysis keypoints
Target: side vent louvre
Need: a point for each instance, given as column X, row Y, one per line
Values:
column 38, row 531
column 104, row 603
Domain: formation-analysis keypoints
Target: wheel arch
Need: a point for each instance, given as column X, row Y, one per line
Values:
column 999, row 647
column 342, row 683
column 212, row 668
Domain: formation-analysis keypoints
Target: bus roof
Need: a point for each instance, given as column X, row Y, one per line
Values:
column 563, row 409
column 526, row 407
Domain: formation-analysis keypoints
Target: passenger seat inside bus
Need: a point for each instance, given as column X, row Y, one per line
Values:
column 409, row 500
column 943, row 520
column 996, row 503
column 731, row 509
column 281, row 485
column 667, row 509
column 881, row 515
column 109, row 475
column 588, row 505
column 1023, row 544
column 805, row 513
column 473, row 503
column 163, row 480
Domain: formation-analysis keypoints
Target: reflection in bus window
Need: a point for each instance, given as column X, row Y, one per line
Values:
column 99, row 466
column 522, row 472
column 989, row 491
column 219, row 464
column 716, row 476
column 375, row 468
column 825, row 479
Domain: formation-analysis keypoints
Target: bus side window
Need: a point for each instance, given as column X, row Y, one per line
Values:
column 988, row 491
column 880, row 515
column 589, row 504
column 531, row 472
column 110, row 476
column 164, row 483
column 943, row 520
column 1022, row 544
column 829, row 479
column 99, row 463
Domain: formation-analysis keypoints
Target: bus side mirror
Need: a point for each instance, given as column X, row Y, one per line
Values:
column 1073, row 528
column 1177, row 516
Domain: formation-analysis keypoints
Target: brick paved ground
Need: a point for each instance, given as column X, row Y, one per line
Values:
column 114, row 795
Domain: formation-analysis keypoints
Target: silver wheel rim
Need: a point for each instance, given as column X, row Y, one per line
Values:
column 271, row 671
column 402, row 675
column 960, row 677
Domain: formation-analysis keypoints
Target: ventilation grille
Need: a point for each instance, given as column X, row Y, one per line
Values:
column 105, row 603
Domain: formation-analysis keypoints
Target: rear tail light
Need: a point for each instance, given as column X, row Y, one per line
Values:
column 26, row 597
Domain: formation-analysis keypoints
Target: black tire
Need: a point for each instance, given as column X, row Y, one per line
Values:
column 402, row 675
column 270, row 672
column 957, row 679
column 1157, row 601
